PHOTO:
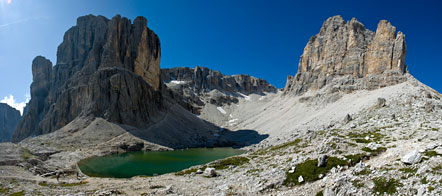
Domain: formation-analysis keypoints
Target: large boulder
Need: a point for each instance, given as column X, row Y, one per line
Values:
column 210, row 172
column 322, row 160
column 412, row 157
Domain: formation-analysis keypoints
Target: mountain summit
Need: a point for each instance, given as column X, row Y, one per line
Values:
column 368, row 60
column 105, row 68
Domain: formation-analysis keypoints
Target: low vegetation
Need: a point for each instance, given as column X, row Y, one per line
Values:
column 226, row 163
column 363, row 172
column 408, row 170
column 356, row 158
column 286, row 145
column 20, row 193
column 219, row 165
column 63, row 184
column 189, row 171
column 3, row 190
column 431, row 153
column 26, row 154
column 374, row 152
column 320, row 193
column 157, row 187
column 360, row 137
column 385, row 185
column 357, row 184
column 310, row 171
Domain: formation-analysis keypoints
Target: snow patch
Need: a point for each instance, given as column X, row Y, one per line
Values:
column 220, row 109
column 247, row 98
column 232, row 121
column 177, row 82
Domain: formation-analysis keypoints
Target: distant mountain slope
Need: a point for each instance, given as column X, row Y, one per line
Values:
column 110, row 69
column 195, row 87
column 9, row 118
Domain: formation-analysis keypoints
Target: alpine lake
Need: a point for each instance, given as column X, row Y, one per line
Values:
column 151, row 163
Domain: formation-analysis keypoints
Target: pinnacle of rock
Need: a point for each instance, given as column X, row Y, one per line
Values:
column 349, row 49
column 105, row 68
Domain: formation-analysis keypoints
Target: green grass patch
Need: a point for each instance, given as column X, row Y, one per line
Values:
column 26, row 154
column 189, row 171
column 232, row 161
column 254, row 170
column 431, row 188
column 431, row 153
column 4, row 190
column 73, row 184
column 352, row 144
column 359, row 137
column 320, row 193
column 286, row 145
column 374, row 152
column 157, row 187
column 424, row 180
column 363, row 172
column 408, row 170
column 356, row 158
column 435, row 129
column 357, row 184
column 43, row 184
column 361, row 140
column 20, row 193
column 383, row 185
column 310, row 171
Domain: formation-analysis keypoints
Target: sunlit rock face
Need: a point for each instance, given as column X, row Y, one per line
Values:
column 368, row 60
column 105, row 68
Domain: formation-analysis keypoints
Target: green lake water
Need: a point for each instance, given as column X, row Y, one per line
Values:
column 131, row 164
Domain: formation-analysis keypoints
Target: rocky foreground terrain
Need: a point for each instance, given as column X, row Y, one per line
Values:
column 352, row 121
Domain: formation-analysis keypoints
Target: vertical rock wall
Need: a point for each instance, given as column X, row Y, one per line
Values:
column 105, row 68
column 349, row 49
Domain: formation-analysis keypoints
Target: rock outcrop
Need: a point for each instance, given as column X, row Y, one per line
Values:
column 365, row 59
column 9, row 118
column 105, row 68
column 192, row 87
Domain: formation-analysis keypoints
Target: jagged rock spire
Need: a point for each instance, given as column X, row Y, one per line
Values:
column 105, row 68
column 348, row 48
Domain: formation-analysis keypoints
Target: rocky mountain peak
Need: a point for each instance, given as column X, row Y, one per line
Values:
column 105, row 68
column 349, row 49
column 9, row 118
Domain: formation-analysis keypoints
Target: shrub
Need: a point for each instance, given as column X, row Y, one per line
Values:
column 384, row 185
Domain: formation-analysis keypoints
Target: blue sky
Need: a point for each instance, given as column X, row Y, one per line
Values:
column 262, row 38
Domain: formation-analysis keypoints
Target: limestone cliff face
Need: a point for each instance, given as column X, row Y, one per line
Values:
column 204, row 79
column 349, row 49
column 192, row 87
column 105, row 68
column 9, row 118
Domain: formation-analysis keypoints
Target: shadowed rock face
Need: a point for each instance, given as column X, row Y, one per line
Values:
column 348, row 49
column 193, row 86
column 203, row 79
column 105, row 68
column 9, row 118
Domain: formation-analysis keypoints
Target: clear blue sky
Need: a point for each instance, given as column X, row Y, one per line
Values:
column 261, row 38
